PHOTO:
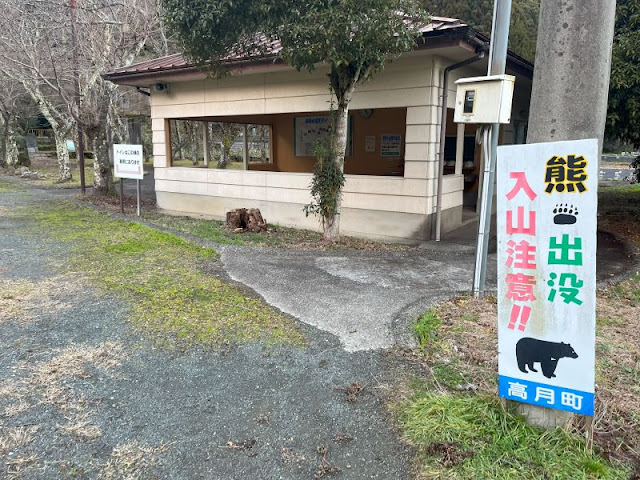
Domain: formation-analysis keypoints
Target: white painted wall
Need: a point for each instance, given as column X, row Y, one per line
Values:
column 413, row 81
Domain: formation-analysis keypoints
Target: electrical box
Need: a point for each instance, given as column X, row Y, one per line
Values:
column 484, row 100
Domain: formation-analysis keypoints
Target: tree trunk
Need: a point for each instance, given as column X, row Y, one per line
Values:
column 101, row 164
column 11, row 145
column 331, row 224
column 195, row 145
column 224, row 155
column 178, row 151
column 5, row 139
column 242, row 219
column 64, row 172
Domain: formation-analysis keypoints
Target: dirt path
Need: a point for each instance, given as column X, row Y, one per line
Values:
column 82, row 395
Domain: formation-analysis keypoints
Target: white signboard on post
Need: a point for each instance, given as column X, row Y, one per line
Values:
column 547, row 204
column 128, row 161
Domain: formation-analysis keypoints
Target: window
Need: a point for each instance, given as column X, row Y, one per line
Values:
column 225, row 145
column 468, row 155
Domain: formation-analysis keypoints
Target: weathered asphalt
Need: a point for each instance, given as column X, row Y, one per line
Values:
column 174, row 411
column 367, row 300
column 179, row 410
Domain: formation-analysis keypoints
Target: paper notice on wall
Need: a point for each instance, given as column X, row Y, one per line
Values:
column 370, row 144
column 308, row 132
column 391, row 145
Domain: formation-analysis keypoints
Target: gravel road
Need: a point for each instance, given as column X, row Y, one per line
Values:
column 82, row 395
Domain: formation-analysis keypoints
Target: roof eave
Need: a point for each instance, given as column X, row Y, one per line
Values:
column 463, row 36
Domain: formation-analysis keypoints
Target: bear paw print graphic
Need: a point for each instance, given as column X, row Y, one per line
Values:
column 565, row 214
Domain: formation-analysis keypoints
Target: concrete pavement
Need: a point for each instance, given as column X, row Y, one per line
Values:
column 370, row 300
column 366, row 299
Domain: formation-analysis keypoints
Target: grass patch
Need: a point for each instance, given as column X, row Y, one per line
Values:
column 619, row 211
column 464, row 358
column 448, row 374
column 426, row 329
column 10, row 187
column 50, row 174
column 626, row 292
column 174, row 299
column 276, row 236
column 471, row 436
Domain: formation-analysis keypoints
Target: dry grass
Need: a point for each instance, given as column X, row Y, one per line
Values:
column 72, row 362
column 13, row 295
column 12, row 438
column 50, row 382
column 23, row 299
column 46, row 382
column 80, row 427
column 129, row 461
column 16, row 465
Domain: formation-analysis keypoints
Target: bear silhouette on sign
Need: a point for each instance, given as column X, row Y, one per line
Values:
column 530, row 350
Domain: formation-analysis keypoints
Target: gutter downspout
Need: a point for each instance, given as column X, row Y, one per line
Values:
column 443, row 133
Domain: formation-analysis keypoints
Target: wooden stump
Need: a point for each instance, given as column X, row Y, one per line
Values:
column 242, row 220
column 255, row 222
column 237, row 218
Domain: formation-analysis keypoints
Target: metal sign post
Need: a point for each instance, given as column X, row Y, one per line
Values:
column 128, row 163
column 121, row 195
column 497, row 66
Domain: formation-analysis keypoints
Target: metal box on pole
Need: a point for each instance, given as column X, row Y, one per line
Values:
column 484, row 100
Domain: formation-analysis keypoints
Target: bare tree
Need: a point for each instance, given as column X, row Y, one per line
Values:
column 227, row 134
column 111, row 35
column 14, row 104
column 36, row 51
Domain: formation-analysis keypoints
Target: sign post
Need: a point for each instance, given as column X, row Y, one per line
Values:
column 547, row 204
column 128, row 163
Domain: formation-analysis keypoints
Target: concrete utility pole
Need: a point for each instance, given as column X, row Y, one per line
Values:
column 569, row 97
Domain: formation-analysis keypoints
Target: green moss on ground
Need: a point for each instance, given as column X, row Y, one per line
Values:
column 164, row 277
column 277, row 236
column 10, row 187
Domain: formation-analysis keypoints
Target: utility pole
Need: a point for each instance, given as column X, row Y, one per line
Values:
column 569, row 97
column 76, row 81
column 497, row 66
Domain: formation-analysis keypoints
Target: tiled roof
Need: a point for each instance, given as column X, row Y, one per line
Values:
column 178, row 62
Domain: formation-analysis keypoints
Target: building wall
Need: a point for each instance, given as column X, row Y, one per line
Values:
column 382, row 121
column 391, row 208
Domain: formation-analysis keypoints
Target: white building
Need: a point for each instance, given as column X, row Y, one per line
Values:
column 391, row 168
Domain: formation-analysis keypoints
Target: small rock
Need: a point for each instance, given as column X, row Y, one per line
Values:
column 31, row 175
column 471, row 387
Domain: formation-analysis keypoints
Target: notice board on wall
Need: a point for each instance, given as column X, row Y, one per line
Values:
column 546, row 219
column 308, row 131
column 391, row 145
